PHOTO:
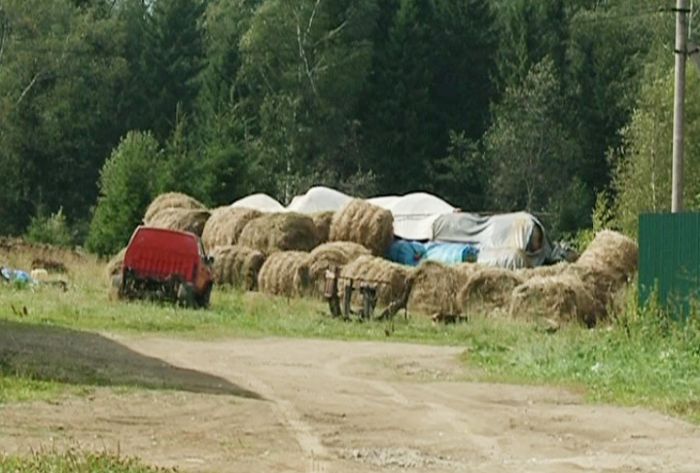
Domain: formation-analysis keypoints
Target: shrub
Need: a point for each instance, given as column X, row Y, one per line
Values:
column 52, row 229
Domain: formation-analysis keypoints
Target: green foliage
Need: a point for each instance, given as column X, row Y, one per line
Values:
column 52, row 229
column 74, row 461
column 127, row 185
column 642, row 179
column 532, row 156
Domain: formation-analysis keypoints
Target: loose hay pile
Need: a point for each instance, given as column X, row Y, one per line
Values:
column 237, row 266
column 544, row 271
column 564, row 296
column 225, row 226
column 171, row 200
column 393, row 279
column 322, row 221
column 285, row 273
column 436, row 289
column 186, row 220
column 279, row 232
column 328, row 255
column 364, row 223
column 114, row 266
column 488, row 289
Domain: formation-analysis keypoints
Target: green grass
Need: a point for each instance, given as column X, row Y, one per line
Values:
column 639, row 359
column 74, row 461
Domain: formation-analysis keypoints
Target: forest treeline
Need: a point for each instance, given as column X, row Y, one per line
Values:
column 560, row 107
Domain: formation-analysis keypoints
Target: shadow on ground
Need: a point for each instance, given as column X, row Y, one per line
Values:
column 70, row 356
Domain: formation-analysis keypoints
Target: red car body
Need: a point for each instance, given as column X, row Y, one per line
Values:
column 166, row 264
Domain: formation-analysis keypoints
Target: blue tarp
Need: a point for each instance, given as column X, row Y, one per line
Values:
column 406, row 252
column 16, row 275
column 451, row 253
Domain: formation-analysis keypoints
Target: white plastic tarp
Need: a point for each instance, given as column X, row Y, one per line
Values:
column 319, row 199
column 513, row 231
column 261, row 202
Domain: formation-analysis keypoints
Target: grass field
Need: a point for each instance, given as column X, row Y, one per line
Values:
column 74, row 461
column 641, row 358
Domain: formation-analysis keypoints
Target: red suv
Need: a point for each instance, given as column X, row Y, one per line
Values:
column 166, row 265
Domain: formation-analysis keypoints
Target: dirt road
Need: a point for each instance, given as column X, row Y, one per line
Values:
column 328, row 406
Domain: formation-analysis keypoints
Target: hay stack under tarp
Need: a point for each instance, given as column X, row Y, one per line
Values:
column 285, row 273
column 170, row 200
column 392, row 278
column 114, row 266
column 364, row 223
column 322, row 220
column 225, row 226
column 279, row 232
column 237, row 266
column 489, row 289
column 564, row 297
column 329, row 255
column 436, row 289
column 184, row 220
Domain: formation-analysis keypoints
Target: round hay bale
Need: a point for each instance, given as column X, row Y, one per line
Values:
column 322, row 221
column 436, row 289
column 184, row 220
column 612, row 253
column 279, row 232
column 114, row 266
column 225, row 226
column 392, row 278
column 564, row 297
column 329, row 255
column 543, row 271
column 285, row 273
column 489, row 289
column 364, row 223
column 466, row 270
column 237, row 266
column 171, row 200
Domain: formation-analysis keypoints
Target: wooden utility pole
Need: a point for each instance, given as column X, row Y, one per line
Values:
column 681, row 52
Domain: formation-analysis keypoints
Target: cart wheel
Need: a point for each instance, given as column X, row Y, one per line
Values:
column 185, row 295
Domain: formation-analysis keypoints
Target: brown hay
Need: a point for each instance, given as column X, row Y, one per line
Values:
column 279, row 232
column 564, row 296
column 364, row 223
column 607, row 265
column 543, row 271
column 393, row 278
column 171, row 200
column 185, row 220
column 488, row 289
column 114, row 266
column 225, row 226
column 329, row 255
column 322, row 221
column 436, row 289
column 237, row 266
column 285, row 273
column 50, row 265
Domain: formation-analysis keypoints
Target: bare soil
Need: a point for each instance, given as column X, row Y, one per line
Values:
column 329, row 406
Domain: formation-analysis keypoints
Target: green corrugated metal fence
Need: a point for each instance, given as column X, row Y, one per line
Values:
column 669, row 259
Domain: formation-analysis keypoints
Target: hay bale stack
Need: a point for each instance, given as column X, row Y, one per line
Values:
column 285, row 273
column 237, row 266
column 364, row 223
column 543, row 271
column 225, row 226
column 489, row 289
column 564, row 296
column 322, row 221
column 171, row 200
column 329, row 255
column 611, row 254
column 185, row 220
column 466, row 270
column 394, row 277
column 279, row 232
column 436, row 289
column 114, row 266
